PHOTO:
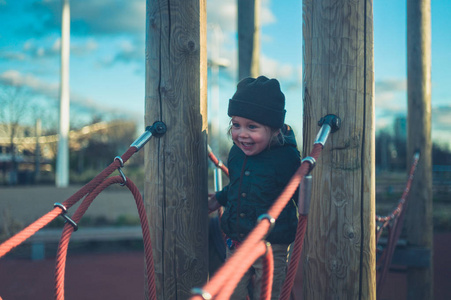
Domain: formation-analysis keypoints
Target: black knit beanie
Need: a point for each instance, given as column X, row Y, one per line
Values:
column 260, row 100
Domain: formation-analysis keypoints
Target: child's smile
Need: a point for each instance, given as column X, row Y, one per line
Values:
column 251, row 137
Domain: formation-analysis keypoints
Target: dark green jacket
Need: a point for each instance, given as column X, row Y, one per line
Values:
column 255, row 183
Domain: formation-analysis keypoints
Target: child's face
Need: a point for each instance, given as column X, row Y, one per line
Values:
column 250, row 136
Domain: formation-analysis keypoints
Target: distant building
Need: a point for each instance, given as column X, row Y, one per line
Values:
column 30, row 154
column 400, row 126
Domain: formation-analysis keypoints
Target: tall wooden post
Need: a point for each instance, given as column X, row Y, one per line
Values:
column 419, row 224
column 176, row 164
column 339, row 252
column 248, row 38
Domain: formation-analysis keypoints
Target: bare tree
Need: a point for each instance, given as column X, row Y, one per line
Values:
column 14, row 103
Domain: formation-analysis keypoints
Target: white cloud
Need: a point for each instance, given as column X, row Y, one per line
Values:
column 391, row 102
column 28, row 45
column 107, row 17
column 126, row 51
column 12, row 56
column 50, row 91
column 441, row 123
column 34, row 84
column 222, row 13
column 41, row 48
column 266, row 15
column 81, row 47
column 441, row 117
column 56, row 45
column 391, row 85
column 100, row 17
column 273, row 68
column 391, row 95
column 50, row 48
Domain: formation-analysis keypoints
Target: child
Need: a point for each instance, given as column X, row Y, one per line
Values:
column 262, row 160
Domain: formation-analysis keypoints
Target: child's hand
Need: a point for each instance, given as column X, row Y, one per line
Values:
column 213, row 204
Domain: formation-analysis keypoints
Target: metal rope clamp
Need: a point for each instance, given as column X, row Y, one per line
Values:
column 329, row 124
column 305, row 195
column 271, row 220
column 200, row 292
column 65, row 216
column 311, row 161
column 157, row 129
column 268, row 245
column 120, row 170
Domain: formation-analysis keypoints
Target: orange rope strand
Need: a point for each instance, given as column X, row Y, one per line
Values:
column 295, row 257
column 68, row 229
column 217, row 162
column 268, row 274
column 394, row 230
column 228, row 286
column 34, row 227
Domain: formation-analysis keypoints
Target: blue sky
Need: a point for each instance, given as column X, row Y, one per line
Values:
column 107, row 56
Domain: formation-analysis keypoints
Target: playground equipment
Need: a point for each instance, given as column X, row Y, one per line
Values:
column 90, row 191
column 339, row 248
column 223, row 283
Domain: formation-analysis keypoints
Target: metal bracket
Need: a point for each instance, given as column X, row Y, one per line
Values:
column 271, row 220
column 329, row 124
column 311, row 161
column 305, row 195
column 158, row 129
column 65, row 216
column 417, row 154
column 200, row 292
column 124, row 178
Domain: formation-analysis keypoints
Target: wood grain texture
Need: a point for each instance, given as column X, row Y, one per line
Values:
column 339, row 252
column 176, row 164
column 248, row 38
column 419, row 221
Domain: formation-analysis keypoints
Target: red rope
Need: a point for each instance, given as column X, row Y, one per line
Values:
column 268, row 274
column 397, row 211
column 34, row 227
column 229, row 286
column 23, row 235
column 237, row 265
column 217, row 162
column 152, row 291
column 92, row 190
column 394, row 230
column 68, row 229
column 295, row 257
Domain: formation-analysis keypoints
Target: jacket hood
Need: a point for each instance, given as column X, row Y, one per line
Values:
column 288, row 136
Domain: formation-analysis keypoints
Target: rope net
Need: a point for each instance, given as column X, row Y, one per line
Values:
column 392, row 222
column 225, row 280
column 223, row 283
column 91, row 190
column 31, row 229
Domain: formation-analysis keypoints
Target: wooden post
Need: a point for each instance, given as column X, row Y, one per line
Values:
column 419, row 224
column 176, row 164
column 248, row 38
column 339, row 252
